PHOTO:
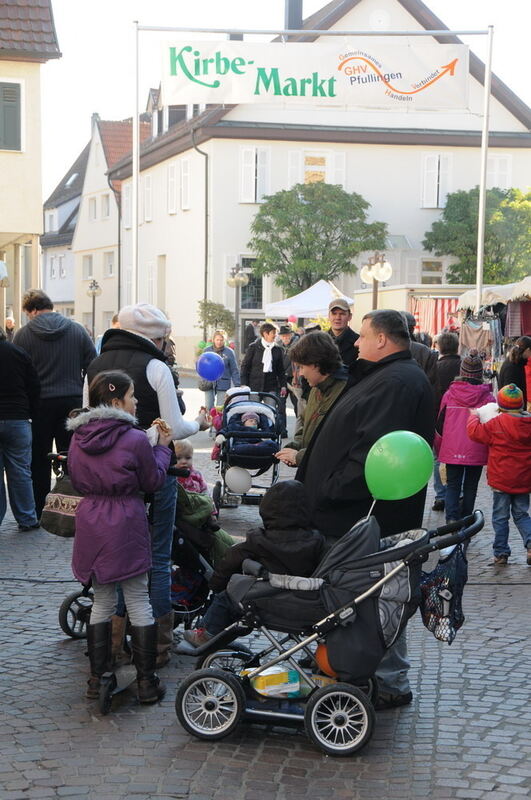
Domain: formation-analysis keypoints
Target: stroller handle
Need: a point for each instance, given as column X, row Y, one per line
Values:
column 454, row 533
column 62, row 458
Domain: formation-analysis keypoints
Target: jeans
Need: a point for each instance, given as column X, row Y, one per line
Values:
column 164, row 502
column 438, row 485
column 49, row 425
column 392, row 671
column 213, row 398
column 15, row 460
column 458, row 475
column 504, row 504
column 220, row 614
column 136, row 596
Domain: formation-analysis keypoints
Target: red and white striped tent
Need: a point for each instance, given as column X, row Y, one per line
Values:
column 434, row 314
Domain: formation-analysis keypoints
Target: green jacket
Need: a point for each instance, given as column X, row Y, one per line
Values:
column 322, row 398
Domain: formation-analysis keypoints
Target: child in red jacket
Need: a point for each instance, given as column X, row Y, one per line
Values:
column 508, row 437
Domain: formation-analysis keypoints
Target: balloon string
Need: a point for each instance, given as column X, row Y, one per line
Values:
column 370, row 510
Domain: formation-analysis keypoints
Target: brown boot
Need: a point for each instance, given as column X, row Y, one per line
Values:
column 119, row 655
column 164, row 639
column 99, row 652
column 144, row 642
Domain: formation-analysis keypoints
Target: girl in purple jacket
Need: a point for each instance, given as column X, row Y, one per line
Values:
column 464, row 458
column 111, row 464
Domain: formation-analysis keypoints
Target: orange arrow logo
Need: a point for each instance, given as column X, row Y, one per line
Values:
column 446, row 69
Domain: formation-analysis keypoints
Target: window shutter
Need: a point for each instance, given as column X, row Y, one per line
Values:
column 185, row 184
column 263, row 172
column 339, row 169
column 247, row 175
column 430, row 180
column 127, row 206
column 294, row 167
column 172, row 189
column 445, row 165
column 499, row 172
column 148, row 199
column 10, row 116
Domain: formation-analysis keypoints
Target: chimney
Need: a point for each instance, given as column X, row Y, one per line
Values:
column 293, row 15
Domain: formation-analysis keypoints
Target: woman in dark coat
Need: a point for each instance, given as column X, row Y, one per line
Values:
column 262, row 368
column 513, row 368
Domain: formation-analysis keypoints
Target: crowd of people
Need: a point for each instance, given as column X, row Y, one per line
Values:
column 119, row 414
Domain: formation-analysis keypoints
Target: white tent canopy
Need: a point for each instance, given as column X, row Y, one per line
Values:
column 497, row 294
column 313, row 302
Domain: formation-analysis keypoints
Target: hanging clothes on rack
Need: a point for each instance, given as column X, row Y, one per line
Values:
column 513, row 323
column 475, row 333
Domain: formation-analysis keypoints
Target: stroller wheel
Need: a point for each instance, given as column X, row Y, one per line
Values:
column 229, row 660
column 370, row 688
column 108, row 685
column 339, row 719
column 74, row 613
column 209, row 703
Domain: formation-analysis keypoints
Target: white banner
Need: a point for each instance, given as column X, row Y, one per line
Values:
column 417, row 76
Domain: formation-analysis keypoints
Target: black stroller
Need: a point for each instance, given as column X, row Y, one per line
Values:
column 248, row 449
column 355, row 606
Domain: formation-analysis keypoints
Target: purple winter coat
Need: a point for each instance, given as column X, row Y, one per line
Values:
column 456, row 447
column 111, row 463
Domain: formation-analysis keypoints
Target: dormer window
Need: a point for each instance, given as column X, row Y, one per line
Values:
column 71, row 179
column 50, row 220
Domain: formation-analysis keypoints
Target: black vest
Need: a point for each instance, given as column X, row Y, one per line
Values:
column 131, row 353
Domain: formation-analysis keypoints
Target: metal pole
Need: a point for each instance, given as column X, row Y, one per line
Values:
column 136, row 169
column 237, row 323
column 291, row 32
column 483, row 173
column 374, row 294
column 93, row 316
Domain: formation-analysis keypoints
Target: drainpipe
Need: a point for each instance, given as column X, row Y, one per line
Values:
column 205, row 276
column 118, row 197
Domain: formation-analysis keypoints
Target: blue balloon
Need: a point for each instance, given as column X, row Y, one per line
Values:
column 210, row 366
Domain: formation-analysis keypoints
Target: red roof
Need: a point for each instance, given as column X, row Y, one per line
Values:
column 117, row 138
column 27, row 30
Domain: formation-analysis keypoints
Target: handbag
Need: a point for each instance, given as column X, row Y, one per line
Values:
column 204, row 385
column 59, row 513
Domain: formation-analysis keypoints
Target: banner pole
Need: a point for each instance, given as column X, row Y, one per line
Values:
column 483, row 173
column 134, row 193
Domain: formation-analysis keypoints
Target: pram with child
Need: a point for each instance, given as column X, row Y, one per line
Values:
column 248, row 438
column 354, row 606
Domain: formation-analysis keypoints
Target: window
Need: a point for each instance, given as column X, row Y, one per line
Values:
column 251, row 295
column 50, row 220
column 148, row 204
column 151, row 288
column 105, row 206
column 499, row 172
column 432, row 272
column 316, row 166
column 172, row 188
column 185, row 184
column 10, row 116
column 436, row 169
column 254, row 173
column 92, row 209
column 127, row 206
column 62, row 269
column 53, row 267
column 71, row 179
column 108, row 264
column 87, row 268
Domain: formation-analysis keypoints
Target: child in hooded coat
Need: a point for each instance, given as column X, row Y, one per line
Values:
column 464, row 458
column 508, row 437
column 284, row 545
column 111, row 464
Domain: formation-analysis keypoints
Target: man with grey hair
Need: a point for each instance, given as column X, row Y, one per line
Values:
column 391, row 393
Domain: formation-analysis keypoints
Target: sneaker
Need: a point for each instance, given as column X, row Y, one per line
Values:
column 438, row 505
column 504, row 558
column 29, row 527
column 197, row 637
column 386, row 700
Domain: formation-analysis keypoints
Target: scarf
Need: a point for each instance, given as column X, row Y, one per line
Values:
column 267, row 357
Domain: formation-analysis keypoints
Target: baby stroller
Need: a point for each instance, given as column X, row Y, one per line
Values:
column 355, row 606
column 247, row 449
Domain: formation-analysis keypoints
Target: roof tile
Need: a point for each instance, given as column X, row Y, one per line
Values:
column 27, row 30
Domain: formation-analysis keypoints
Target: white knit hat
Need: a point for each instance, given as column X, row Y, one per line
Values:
column 144, row 319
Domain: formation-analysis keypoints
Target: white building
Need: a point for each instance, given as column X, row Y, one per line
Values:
column 403, row 163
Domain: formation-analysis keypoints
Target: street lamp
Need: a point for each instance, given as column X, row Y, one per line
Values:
column 377, row 270
column 237, row 278
column 94, row 290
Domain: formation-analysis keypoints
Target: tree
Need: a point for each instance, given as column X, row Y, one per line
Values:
column 216, row 316
column 507, row 235
column 310, row 232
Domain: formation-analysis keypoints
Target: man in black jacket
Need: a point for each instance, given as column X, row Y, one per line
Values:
column 19, row 396
column 392, row 393
column 339, row 314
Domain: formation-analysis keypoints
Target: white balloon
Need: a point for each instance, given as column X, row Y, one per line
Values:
column 238, row 480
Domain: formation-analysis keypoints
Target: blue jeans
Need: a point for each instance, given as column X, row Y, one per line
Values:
column 217, row 396
column 438, row 485
column 164, row 502
column 393, row 668
column 220, row 614
column 15, row 459
column 504, row 504
column 458, row 476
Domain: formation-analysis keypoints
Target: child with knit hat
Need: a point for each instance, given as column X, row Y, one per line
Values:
column 508, row 437
column 464, row 458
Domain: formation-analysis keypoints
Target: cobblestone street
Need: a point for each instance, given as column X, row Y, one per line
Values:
column 466, row 734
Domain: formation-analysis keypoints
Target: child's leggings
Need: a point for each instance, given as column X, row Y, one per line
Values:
column 136, row 599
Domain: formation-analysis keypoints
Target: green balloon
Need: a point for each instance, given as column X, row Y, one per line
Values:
column 201, row 345
column 398, row 465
